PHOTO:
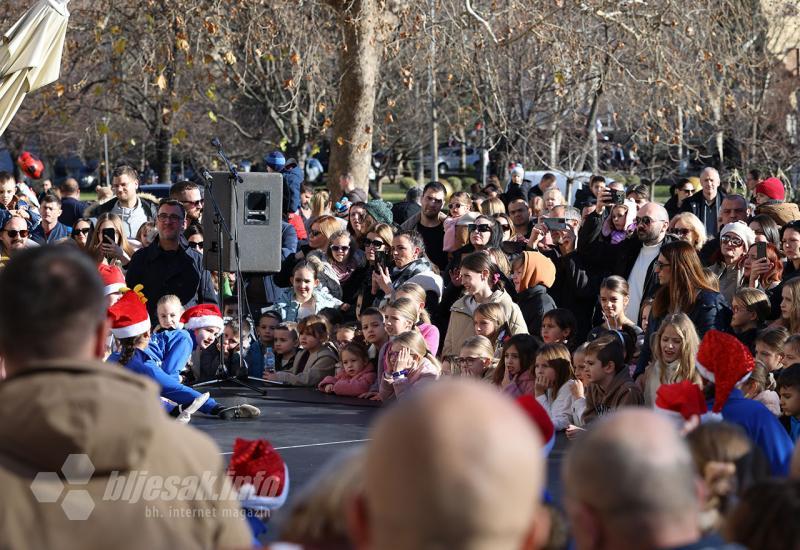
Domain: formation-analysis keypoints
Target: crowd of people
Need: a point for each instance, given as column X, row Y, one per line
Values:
column 574, row 311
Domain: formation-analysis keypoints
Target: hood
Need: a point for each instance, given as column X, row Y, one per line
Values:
column 93, row 408
column 537, row 269
column 781, row 212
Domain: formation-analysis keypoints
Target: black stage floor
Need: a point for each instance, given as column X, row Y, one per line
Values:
column 309, row 428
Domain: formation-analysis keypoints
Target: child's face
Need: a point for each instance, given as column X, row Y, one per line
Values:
column 230, row 311
column 309, row 341
column 552, row 333
column 303, row 283
column 230, row 340
column 394, row 351
column 545, row 371
column 512, row 361
column 790, row 401
column 741, row 315
column 791, row 354
column 484, row 326
column 618, row 217
column 373, row 329
column 769, row 356
column 552, row 200
column 612, row 303
column 168, row 315
column 472, row 282
column 285, row 342
column 352, row 363
column 266, row 330
column 205, row 336
column 457, row 208
column 471, row 363
column 671, row 344
column 595, row 372
column 580, row 368
column 395, row 323
column 344, row 336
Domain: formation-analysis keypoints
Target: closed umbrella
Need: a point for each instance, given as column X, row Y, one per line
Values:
column 30, row 54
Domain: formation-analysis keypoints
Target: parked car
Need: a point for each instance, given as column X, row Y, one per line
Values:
column 450, row 160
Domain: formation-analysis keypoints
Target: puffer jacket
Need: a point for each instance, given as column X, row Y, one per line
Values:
column 781, row 212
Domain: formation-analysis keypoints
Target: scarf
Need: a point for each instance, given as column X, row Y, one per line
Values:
column 536, row 269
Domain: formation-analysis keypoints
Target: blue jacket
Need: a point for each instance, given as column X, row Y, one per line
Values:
column 171, row 389
column 763, row 428
column 288, row 240
column 287, row 306
column 171, row 350
column 255, row 359
column 60, row 231
column 292, row 180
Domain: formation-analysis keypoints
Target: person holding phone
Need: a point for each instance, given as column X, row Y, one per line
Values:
column 763, row 267
column 109, row 242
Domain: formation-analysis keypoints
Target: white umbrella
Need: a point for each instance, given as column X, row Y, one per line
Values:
column 30, row 54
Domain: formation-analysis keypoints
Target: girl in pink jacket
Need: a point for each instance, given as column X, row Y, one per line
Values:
column 410, row 364
column 354, row 377
column 515, row 373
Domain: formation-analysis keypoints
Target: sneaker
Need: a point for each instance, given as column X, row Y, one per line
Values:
column 240, row 411
column 186, row 413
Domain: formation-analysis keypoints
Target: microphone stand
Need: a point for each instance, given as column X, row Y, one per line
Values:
column 223, row 374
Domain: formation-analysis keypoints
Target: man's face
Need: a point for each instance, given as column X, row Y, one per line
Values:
column 169, row 222
column 710, row 182
column 14, row 235
column 732, row 210
column 124, row 187
column 651, row 225
column 50, row 212
column 520, row 213
column 432, row 203
column 7, row 190
column 193, row 203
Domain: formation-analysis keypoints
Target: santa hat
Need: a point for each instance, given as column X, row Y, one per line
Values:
column 259, row 474
column 681, row 400
column 202, row 316
column 129, row 315
column 724, row 360
column 541, row 419
column 113, row 279
column 773, row 188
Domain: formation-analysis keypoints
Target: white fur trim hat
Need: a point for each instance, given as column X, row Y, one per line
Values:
column 129, row 315
column 202, row 316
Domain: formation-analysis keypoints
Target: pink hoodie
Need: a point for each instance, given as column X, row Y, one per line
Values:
column 350, row 386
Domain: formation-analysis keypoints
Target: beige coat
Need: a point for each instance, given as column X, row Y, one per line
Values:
column 114, row 418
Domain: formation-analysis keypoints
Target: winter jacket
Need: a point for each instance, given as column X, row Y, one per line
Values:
column 562, row 407
column 171, row 350
column 289, row 307
column 320, row 364
column 292, row 181
column 623, row 392
column 60, row 231
column 781, row 212
column 420, row 271
column 146, row 202
column 522, row 384
column 349, row 386
column 534, row 302
column 461, row 323
column 114, row 418
column 730, row 279
column 398, row 388
column 696, row 204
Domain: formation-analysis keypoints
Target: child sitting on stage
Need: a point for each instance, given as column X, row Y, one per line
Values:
column 355, row 376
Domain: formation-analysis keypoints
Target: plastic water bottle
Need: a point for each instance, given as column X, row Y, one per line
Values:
column 269, row 360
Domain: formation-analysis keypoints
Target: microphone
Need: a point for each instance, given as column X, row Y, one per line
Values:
column 205, row 174
column 215, row 143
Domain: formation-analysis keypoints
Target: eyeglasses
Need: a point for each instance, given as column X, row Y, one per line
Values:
column 174, row 218
column 480, row 228
column 733, row 241
column 82, row 231
column 374, row 244
column 456, row 205
column 658, row 266
column 680, row 231
column 13, row 233
column 645, row 220
column 340, row 248
column 197, row 244
column 315, row 233
column 196, row 204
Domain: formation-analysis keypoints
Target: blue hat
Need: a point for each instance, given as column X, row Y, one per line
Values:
column 275, row 160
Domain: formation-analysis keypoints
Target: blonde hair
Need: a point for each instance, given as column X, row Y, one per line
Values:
column 500, row 259
column 559, row 359
column 406, row 308
column 480, row 344
column 490, row 207
column 554, row 191
column 793, row 322
column 169, row 300
column 494, row 312
column 418, row 295
column 696, row 227
column 760, row 380
column 690, row 342
column 414, row 341
column 320, row 203
column 384, row 233
column 95, row 247
column 328, row 225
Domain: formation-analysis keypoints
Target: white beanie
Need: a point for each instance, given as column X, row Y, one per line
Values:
column 741, row 230
column 518, row 170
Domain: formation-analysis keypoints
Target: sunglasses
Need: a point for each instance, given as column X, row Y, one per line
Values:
column 505, row 226
column 13, row 233
column 456, row 205
column 645, row 220
column 374, row 244
column 734, row 241
column 169, row 218
column 83, row 231
column 196, row 204
column 480, row 228
column 198, row 245
column 340, row 248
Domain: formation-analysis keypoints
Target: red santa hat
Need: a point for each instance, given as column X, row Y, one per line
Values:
column 113, row 279
column 541, row 419
column 773, row 188
column 259, row 474
column 129, row 315
column 202, row 316
column 724, row 360
column 682, row 399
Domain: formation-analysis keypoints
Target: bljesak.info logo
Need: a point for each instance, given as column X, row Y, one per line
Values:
column 67, row 488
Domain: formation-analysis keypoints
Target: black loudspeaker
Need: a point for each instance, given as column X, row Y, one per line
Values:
column 253, row 211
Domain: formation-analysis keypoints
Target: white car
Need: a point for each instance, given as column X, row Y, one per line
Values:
column 450, row 160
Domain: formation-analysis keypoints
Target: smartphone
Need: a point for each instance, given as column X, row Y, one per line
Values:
column 617, row 196
column 761, row 250
column 382, row 258
column 555, row 224
column 110, row 235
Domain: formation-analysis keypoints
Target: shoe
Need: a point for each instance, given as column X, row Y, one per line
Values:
column 186, row 413
column 240, row 411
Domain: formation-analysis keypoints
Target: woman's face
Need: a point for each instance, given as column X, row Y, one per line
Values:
column 303, row 283
column 480, row 233
column 81, row 232
column 663, row 270
column 403, row 251
column 373, row 244
column 511, row 361
column 107, row 225
column 683, row 232
column 340, row 248
column 671, row 344
column 732, row 248
column 612, row 303
column 791, row 244
column 759, row 231
column 472, row 281
column 357, row 217
column 786, row 303
column 317, row 238
column 505, row 226
column 196, row 242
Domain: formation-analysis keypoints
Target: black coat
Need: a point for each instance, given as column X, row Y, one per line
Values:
column 534, row 302
column 696, row 205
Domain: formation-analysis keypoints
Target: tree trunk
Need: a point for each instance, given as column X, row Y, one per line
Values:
column 351, row 140
column 164, row 154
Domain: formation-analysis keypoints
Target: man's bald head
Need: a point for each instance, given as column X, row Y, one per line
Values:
column 653, row 232
column 630, row 482
column 457, row 466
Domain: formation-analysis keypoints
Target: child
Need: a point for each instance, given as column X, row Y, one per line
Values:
column 675, row 348
column 614, row 297
column 579, row 364
column 306, row 296
column 769, row 348
column 554, row 386
column 490, row 321
column 344, row 335
column 620, row 224
column 552, row 198
column 761, row 387
column 791, row 350
column 459, row 205
column 317, row 358
column 169, row 310
column 410, row 363
column 751, row 308
column 286, row 345
column 611, row 386
column 514, row 374
column 373, row 331
column 789, row 390
column 476, row 359
column 558, row 327
column 790, row 306
column 416, row 294
column 230, row 307
column 262, row 351
column 644, row 313
column 356, row 375
column 402, row 315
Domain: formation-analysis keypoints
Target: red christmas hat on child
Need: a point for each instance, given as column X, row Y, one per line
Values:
column 113, row 279
column 129, row 315
column 540, row 418
column 202, row 316
column 683, row 398
column 259, row 474
column 724, row 360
